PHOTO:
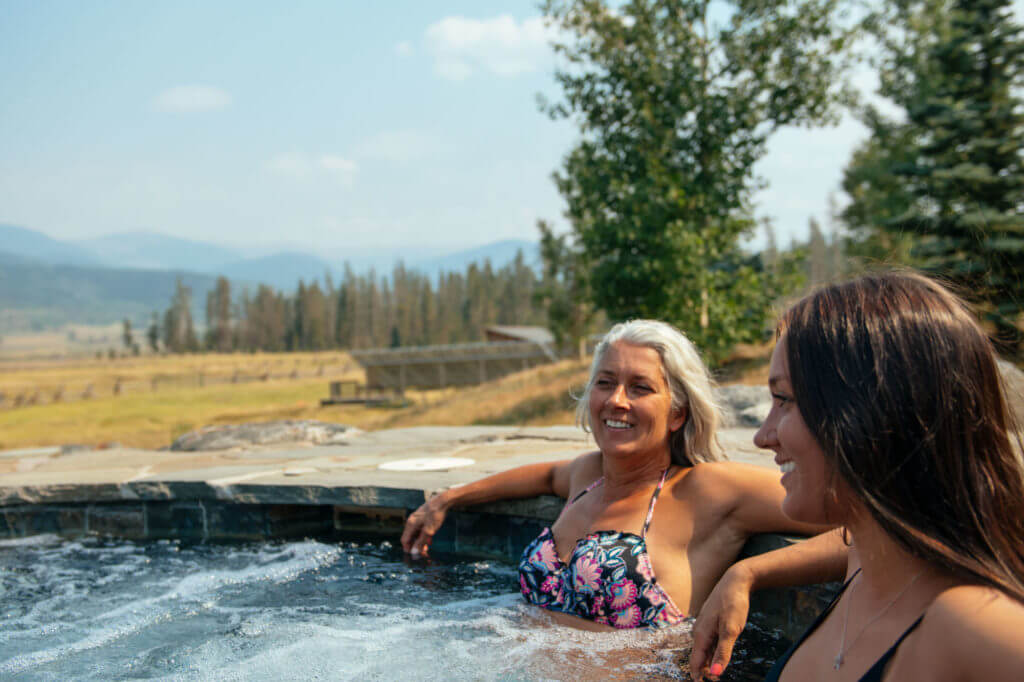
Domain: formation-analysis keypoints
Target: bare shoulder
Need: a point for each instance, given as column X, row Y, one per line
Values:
column 715, row 485
column 973, row 632
column 728, row 479
column 584, row 470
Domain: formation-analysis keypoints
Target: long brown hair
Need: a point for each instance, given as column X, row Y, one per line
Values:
column 900, row 387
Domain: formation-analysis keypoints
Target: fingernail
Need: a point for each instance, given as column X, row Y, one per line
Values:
column 415, row 553
column 717, row 669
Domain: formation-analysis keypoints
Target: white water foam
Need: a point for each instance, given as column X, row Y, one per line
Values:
column 302, row 610
column 175, row 596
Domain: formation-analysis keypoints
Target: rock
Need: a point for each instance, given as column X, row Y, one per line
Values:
column 1013, row 381
column 267, row 433
column 744, row 405
column 754, row 415
column 749, row 405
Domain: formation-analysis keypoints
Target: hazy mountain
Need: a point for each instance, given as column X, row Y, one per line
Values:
column 36, row 246
column 499, row 254
column 159, row 252
column 7, row 258
column 38, row 289
column 41, row 296
column 281, row 270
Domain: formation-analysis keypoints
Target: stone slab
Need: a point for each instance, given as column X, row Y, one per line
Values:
column 332, row 474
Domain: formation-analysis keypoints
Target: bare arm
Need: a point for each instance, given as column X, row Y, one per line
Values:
column 547, row 478
column 724, row 614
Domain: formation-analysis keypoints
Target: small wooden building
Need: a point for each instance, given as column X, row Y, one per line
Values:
column 463, row 364
column 505, row 332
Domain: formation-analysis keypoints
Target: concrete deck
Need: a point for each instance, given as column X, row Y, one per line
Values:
column 326, row 474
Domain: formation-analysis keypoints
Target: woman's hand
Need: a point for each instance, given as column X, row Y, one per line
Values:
column 544, row 478
column 720, row 621
column 422, row 524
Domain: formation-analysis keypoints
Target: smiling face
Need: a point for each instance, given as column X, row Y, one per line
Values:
column 631, row 404
column 798, row 454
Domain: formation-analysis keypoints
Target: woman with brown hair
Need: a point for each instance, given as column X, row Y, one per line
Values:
column 889, row 418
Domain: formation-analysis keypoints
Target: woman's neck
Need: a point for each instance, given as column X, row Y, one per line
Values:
column 886, row 567
column 622, row 476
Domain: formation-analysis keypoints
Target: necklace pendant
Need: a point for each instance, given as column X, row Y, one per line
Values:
column 838, row 663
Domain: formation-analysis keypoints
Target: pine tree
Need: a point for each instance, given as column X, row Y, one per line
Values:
column 954, row 67
column 153, row 333
column 179, row 333
column 818, row 261
column 126, row 334
column 219, row 332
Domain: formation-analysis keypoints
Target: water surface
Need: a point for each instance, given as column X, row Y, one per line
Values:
column 116, row 610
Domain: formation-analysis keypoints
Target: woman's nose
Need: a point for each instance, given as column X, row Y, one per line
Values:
column 766, row 436
column 618, row 398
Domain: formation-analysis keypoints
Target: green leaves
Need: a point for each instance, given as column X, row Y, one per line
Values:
column 676, row 106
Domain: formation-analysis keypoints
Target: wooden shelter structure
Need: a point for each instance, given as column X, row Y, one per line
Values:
column 506, row 332
column 463, row 364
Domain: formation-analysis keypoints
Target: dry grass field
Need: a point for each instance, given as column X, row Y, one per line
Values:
column 148, row 401
column 71, row 339
column 239, row 388
column 139, row 416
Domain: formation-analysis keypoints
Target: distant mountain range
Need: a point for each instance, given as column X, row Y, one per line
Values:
column 151, row 251
column 45, row 282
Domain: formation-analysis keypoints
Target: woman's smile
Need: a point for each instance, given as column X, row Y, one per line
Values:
column 630, row 402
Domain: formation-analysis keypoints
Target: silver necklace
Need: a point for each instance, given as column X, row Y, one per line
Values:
column 840, row 655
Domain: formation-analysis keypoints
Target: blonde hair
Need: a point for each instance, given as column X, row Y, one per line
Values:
column 689, row 383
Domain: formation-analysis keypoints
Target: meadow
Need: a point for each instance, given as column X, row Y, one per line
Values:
column 149, row 401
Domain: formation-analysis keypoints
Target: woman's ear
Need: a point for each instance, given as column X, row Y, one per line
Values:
column 678, row 419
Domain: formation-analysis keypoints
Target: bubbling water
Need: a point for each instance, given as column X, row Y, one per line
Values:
column 97, row 609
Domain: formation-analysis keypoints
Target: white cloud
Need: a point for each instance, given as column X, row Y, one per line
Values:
column 338, row 164
column 295, row 165
column 191, row 98
column 404, row 49
column 502, row 46
column 301, row 166
column 399, row 146
column 344, row 169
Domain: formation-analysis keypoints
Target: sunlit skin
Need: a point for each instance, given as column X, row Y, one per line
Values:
column 968, row 632
column 797, row 452
column 704, row 515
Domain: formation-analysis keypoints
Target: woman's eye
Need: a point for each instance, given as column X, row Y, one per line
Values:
column 780, row 399
column 602, row 382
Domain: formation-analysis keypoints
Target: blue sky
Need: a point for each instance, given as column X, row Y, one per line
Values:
column 317, row 125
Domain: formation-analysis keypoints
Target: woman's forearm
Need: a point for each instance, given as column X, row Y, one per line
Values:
column 525, row 481
column 723, row 616
column 820, row 559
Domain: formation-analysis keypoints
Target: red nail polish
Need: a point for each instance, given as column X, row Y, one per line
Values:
column 717, row 669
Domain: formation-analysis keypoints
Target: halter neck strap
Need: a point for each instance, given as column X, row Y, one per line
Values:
column 654, row 498
column 650, row 508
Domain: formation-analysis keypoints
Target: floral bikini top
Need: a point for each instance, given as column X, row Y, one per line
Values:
column 608, row 579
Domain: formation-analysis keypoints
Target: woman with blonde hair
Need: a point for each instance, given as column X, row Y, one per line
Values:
column 654, row 517
column 889, row 417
